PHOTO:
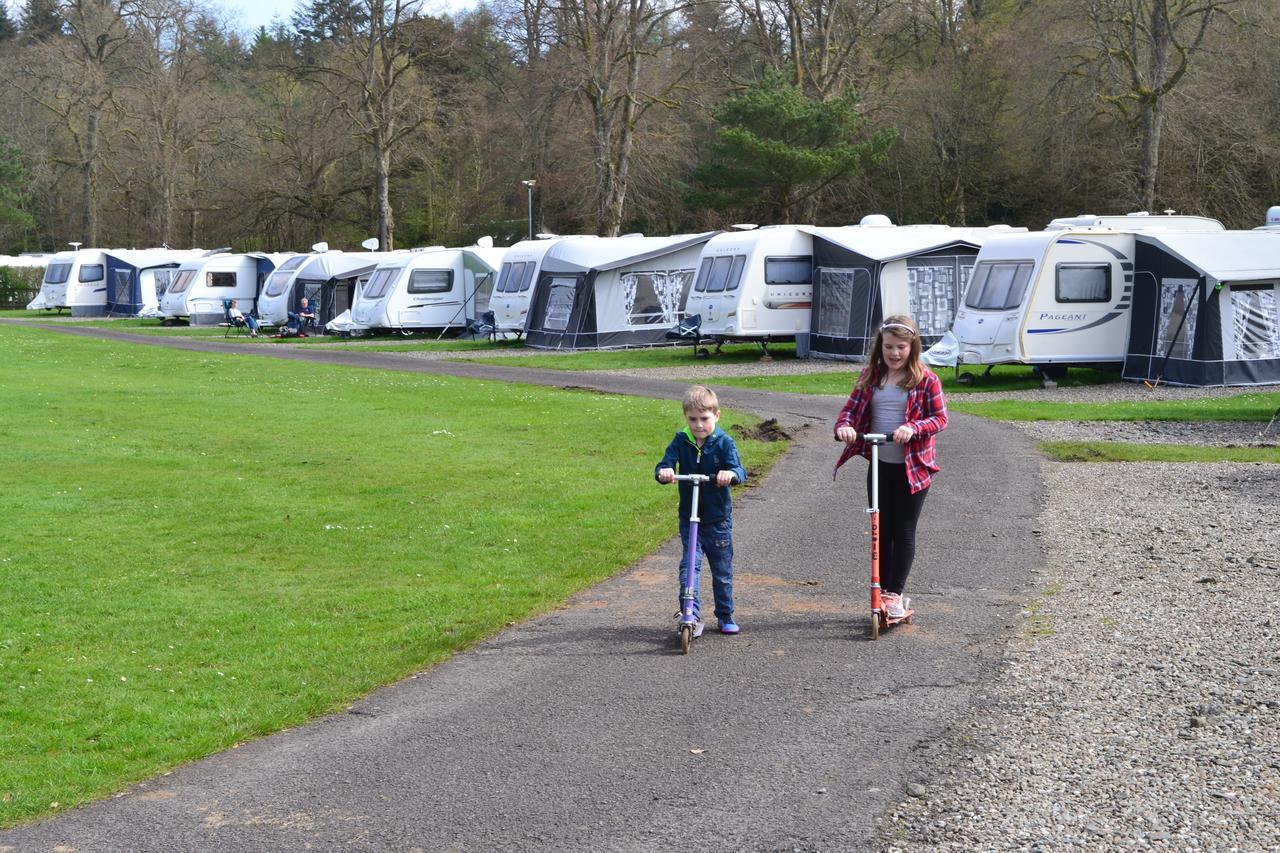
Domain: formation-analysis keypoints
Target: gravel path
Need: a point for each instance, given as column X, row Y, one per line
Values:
column 1141, row 708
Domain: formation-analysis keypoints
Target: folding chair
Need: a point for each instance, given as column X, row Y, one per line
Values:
column 228, row 323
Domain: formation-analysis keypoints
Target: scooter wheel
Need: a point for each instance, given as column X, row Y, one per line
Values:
column 875, row 626
column 686, row 637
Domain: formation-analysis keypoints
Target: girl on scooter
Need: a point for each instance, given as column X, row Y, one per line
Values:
column 898, row 396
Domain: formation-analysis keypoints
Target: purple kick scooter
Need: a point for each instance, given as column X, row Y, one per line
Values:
column 688, row 621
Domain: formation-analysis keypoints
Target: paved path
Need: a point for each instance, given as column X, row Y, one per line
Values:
column 586, row 730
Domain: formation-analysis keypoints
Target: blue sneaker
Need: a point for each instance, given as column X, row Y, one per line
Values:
column 729, row 627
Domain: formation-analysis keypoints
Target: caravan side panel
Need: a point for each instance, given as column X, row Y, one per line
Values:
column 1078, row 308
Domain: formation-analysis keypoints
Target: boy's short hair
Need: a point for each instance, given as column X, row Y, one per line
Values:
column 700, row 398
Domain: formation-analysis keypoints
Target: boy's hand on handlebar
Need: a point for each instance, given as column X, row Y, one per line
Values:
column 903, row 434
column 666, row 475
column 847, row 434
column 724, row 478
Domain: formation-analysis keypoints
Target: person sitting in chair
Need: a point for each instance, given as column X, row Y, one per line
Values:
column 237, row 316
column 307, row 313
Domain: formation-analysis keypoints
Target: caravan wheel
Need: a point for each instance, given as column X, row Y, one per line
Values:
column 965, row 378
column 408, row 333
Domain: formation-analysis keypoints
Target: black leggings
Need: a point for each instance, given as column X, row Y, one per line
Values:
column 899, row 512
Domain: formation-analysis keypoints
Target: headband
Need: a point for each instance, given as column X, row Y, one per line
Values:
column 910, row 331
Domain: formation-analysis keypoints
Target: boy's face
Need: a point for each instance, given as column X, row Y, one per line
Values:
column 702, row 423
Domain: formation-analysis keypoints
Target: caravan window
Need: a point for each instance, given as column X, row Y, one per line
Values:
column 719, row 273
column 1255, row 327
column 998, row 286
column 735, row 272
column 57, row 273
column 529, row 269
column 1083, row 283
column 431, row 281
column 705, row 270
column 162, row 279
column 559, row 303
column 91, row 272
column 277, row 280
column 183, row 281
column 509, row 278
column 379, row 282
column 221, row 279
column 798, row 270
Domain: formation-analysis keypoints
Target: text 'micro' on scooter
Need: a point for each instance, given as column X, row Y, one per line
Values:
column 688, row 621
column 880, row 618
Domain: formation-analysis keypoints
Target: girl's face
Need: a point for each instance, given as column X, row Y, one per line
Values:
column 895, row 350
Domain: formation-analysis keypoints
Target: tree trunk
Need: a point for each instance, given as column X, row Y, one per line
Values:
column 88, row 180
column 386, row 217
column 1152, row 127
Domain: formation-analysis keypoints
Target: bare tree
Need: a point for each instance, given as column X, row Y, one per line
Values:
column 373, row 80
column 1140, row 51
column 607, row 45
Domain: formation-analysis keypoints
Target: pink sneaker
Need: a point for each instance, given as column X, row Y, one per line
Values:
column 893, row 605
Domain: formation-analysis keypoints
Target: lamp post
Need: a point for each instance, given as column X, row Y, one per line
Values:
column 529, row 186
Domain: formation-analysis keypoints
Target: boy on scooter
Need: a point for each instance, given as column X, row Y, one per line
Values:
column 703, row 448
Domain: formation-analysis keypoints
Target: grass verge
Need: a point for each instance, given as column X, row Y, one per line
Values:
column 1249, row 406
column 639, row 358
column 1083, row 451
column 199, row 549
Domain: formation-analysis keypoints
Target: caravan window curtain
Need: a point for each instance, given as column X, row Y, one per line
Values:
column 1255, row 326
column 796, row 270
column 932, row 293
column 431, row 281
column 653, row 298
column 1083, row 283
column 220, row 279
column 1177, row 301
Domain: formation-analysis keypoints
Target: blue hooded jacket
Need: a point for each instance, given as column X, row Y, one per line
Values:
column 718, row 453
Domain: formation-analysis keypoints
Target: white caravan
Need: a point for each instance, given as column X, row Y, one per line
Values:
column 433, row 288
column 513, row 294
column 327, row 279
column 201, row 286
column 754, row 285
column 1055, row 297
column 102, row 282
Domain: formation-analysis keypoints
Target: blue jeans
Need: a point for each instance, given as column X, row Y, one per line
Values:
column 251, row 322
column 716, row 542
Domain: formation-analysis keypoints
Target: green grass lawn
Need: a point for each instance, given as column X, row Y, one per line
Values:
column 1247, row 406
column 198, row 549
column 628, row 359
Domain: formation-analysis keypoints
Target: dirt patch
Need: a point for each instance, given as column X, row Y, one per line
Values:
column 764, row 431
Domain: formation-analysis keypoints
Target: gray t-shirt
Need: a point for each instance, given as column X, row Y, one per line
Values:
column 888, row 412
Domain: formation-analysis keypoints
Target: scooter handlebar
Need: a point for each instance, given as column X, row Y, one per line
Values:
column 870, row 438
column 693, row 478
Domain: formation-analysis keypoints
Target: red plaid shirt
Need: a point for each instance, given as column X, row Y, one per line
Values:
column 926, row 415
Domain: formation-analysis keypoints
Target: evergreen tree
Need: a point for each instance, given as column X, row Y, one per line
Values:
column 331, row 20
column 40, row 20
column 778, row 146
column 7, row 28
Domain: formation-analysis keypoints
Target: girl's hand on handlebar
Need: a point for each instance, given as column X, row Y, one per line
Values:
column 847, row 434
column 903, row 434
column 724, row 478
column 666, row 475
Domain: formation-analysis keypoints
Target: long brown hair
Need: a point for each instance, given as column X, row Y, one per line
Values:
column 902, row 327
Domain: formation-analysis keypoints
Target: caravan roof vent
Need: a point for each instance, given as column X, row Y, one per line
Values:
column 221, row 250
column 485, row 243
column 744, row 226
column 876, row 220
column 633, row 234
column 545, row 235
column 1140, row 213
column 320, row 247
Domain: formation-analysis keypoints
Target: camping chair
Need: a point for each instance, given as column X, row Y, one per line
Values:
column 689, row 329
column 485, row 324
column 228, row 323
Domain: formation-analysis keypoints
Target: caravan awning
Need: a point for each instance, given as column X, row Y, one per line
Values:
column 1223, row 255
column 891, row 243
column 606, row 253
